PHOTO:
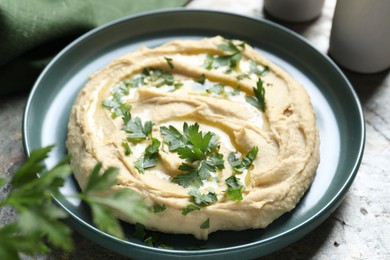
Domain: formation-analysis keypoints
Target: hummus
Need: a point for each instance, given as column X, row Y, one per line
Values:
column 209, row 132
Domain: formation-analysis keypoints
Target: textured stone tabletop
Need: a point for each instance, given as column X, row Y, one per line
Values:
column 358, row 229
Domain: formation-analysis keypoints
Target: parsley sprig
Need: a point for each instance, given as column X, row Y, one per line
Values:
column 198, row 149
column 203, row 199
column 234, row 190
column 258, row 100
column 39, row 226
column 254, row 69
column 116, row 105
column 135, row 130
column 241, row 164
column 150, row 157
column 229, row 60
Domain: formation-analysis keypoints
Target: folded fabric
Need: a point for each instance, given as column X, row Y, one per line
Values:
column 33, row 31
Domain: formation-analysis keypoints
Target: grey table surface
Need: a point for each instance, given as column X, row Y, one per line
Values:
column 358, row 229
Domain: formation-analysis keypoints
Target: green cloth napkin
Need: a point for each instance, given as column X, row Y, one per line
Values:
column 33, row 31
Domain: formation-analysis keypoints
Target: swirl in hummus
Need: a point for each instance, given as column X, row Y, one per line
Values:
column 209, row 132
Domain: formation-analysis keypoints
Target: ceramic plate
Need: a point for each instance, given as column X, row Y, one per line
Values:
column 338, row 110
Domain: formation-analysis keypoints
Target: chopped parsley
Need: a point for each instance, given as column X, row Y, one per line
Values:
column 115, row 105
column 198, row 149
column 170, row 62
column 203, row 199
column 158, row 77
column 135, row 130
column 239, row 165
column 190, row 177
column 201, row 79
column 253, row 68
column 172, row 137
column 236, row 91
column 216, row 88
column 206, row 224
column 159, row 208
column 150, row 157
column 126, row 146
column 234, row 190
column 189, row 208
column 258, row 99
column 230, row 60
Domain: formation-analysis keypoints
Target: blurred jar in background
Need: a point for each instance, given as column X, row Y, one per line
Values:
column 294, row 10
column 360, row 35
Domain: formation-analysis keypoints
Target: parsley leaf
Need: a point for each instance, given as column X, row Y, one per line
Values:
column 103, row 206
column 230, row 60
column 194, row 146
column 159, row 78
column 210, row 164
column 170, row 62
column 189, row 208
column 201, row 79
column 38, row 217
column 159, row 208
column 216, row 88
column 150, row 157
column 236, row 91
column 204, row 142
column 239, row 165
column 117, row 107
column 229, row 46
column 136, row 81
column 259, row 92
column 126, row 146
column 203, row 199
column 39, row 225
column 234, row 190
column 253, row 68
column 190, row 177
column 206, row 224
column 172, row 137
column 135, row 130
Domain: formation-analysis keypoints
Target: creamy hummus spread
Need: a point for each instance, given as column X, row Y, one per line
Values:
column 209, row 132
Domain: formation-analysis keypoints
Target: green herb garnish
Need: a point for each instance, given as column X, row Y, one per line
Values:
column 206, row 224
column 159, row 208
column 170, row 62
column 201, row 79
column 190, row 177
column 258, row 100
column 134, row 129
column 216, row 88
column 159, row 78
column 239, row 165
column 189, row 208
column 115, row 104
column 193, row 146
column 234, row 190
column 39, row 226
column 127, row 148
column 150, row 157
column 253, row 68
column 103, row 207
column 236, row 91
column 231, row 60
column 172, row 137
column 203, row 199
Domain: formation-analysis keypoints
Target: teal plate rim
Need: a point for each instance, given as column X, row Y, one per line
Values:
column 339, row 117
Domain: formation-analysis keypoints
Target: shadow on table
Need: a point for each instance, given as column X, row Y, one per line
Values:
column 366, row 85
